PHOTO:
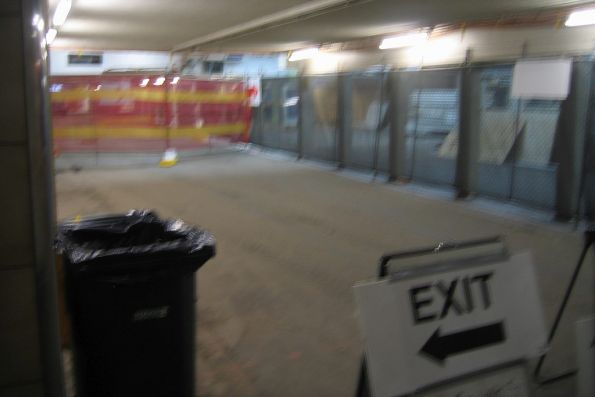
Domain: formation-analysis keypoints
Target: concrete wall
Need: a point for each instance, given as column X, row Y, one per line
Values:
column 258, row 65
column 249, row 65
column 486, row 45
column 29, row 351
column 273, row 65
column 111, row 60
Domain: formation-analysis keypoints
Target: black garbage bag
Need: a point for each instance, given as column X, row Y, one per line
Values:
column 134, row 242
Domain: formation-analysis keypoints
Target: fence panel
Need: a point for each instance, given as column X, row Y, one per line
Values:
column 516, row 155
column 290, row 113
column 368, row 145
column 432, row 126
column 72, row 117
column 206, row 113
column 279, row 112
column 321, row 142
column 269, row 111
column 146, row 113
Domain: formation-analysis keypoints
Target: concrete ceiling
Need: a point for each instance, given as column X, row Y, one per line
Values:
column 267, row 25
column 155, row 24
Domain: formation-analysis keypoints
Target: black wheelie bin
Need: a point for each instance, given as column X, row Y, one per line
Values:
column 131, row 292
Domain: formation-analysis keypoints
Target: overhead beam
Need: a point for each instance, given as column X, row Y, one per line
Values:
column 290, row 15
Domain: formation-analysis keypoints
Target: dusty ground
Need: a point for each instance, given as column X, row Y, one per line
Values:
column 276, row 311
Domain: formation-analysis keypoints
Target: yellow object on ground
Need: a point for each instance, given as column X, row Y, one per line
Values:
column 170, row 158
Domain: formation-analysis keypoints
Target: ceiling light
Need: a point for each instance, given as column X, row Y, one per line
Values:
column 50, row 35
column 144, row 83
column 56, row 87
column 159, row 81
column 581, row 18
column 404, row 40
column 61, row 12
column 38, row 22
column 300, row 55
column 292, row 101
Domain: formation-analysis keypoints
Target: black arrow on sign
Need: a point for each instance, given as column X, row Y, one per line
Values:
column 439, row 347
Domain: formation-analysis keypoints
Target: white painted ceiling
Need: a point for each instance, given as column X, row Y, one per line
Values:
column 174, row 24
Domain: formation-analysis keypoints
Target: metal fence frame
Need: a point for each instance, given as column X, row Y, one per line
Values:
column 575, row 129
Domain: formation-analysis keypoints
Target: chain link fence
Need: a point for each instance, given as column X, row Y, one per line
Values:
column 516, row 142
column 518, row 152
column 277, row 118
column 369, row 139
column 320, row 142
column 432, row 124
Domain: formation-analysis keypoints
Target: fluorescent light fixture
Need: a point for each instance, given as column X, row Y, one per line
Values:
column 62, row 10
column 144, row 83
column 175, row 80
column 291, row 101
column 404, row 40
column 38, row 22
column 159, row 81
column 300, row 55
column 56, row 87
column 50, row 35
column 581, row 18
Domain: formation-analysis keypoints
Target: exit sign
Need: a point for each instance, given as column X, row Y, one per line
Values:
column 438, row 323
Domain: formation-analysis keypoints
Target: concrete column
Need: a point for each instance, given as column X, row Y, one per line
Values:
column 398, row 94
column 344, row 117
column 29, row 341
column 468, row 148
column 572, row 128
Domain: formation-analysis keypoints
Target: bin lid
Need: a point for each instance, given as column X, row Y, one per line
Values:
column 136, row 241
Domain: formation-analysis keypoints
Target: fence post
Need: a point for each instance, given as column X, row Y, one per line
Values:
column 572, row 128
column 277, row 119
column 306, row 117
column 469, row 124
column 398, row 94
column 344, row 117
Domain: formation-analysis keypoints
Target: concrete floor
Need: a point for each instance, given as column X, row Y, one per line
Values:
column 276, row 310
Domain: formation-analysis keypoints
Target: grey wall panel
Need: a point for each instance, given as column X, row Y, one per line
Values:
column 29, row 390
column 12, row 102
column 19, row 338
column 10, row 7
column 16, row 245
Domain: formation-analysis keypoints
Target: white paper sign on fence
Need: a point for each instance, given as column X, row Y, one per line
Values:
column 542, row 79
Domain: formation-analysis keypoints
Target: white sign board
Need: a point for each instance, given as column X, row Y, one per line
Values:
column 254, row 88
column 432, row 327
column 505, row 382
column 542, row 79
column 585, row 352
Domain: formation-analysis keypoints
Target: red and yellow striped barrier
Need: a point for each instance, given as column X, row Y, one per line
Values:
column 140, row 113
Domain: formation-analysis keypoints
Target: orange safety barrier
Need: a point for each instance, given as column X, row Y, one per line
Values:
column 146, row 113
